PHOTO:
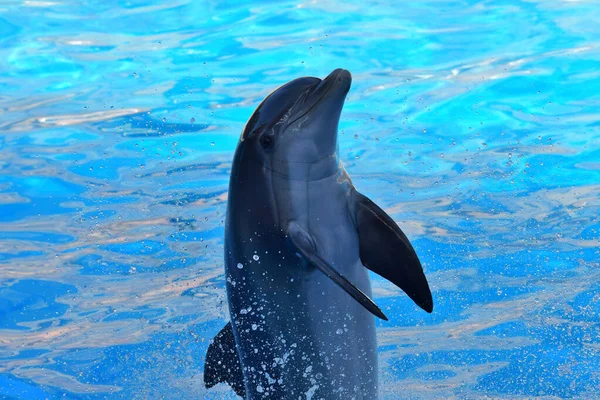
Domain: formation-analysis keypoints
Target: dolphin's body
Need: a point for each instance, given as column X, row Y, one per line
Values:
column 298, row 237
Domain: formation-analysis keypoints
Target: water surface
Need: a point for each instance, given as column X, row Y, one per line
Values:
column 473, row 123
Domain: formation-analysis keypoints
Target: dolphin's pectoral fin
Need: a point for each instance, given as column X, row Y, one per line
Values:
column 305, row 245
column 222, row 362
column 385, row 250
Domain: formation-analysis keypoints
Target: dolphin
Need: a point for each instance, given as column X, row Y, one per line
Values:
column 299, row 239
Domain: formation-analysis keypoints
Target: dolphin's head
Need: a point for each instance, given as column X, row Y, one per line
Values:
column 296, row 125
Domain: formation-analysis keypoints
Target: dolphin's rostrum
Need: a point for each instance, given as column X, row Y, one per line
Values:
column 298, row 237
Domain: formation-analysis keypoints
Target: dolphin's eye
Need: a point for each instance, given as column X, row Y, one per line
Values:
column 267, row 141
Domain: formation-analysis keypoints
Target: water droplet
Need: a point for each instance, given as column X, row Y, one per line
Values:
column 254, row 327
column 192, row 120
column 260, row 389
column 240, row 265
column 164, row 119
column 355, row 136
column 339, row 331
column 255, row 257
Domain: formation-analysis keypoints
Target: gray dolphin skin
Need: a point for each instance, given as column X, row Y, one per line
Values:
column 299, row 239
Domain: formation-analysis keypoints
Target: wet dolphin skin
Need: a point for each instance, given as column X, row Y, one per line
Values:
column 299, row 241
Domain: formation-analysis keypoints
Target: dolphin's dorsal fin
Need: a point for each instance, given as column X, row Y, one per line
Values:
column 385, row 250
column 305, row 245
column 222, row 362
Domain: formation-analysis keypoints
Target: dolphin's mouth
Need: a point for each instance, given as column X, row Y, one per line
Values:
column 323, row 87
column 339, row 78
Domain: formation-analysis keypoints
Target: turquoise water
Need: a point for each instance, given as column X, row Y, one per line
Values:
column 474, row 124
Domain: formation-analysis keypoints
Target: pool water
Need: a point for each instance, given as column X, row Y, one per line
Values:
column 474, row 124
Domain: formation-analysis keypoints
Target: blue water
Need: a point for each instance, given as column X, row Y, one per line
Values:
column 475, row 124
